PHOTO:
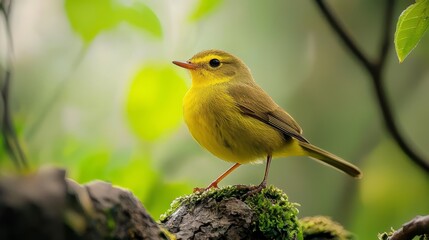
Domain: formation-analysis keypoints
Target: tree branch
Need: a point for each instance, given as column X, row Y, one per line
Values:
column 375, row 70
column 416, row 227
column 339, row 30
column 47, row 205
column 386, row 38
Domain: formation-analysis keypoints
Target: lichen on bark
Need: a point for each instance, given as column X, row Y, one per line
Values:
column 230, row 213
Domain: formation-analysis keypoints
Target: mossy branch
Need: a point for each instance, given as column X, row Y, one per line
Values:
column 229, row 213
column 46, row 205
column 418, row 226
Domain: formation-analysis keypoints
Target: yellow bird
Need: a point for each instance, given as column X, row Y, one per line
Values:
column 233, row 118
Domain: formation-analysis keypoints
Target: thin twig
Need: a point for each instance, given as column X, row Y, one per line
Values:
column 6, row 140
column 11, row 142
column 10, row 136
column 33, row 127
column 347, row 40
column 375, row 69
column 386, row 40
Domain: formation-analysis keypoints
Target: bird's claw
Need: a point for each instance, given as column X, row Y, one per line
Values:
column 201, row 190
column 255, row 189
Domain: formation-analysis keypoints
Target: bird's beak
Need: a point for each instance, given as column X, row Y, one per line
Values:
column 186, row 65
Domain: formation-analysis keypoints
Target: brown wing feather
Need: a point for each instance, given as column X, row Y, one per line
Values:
column 254, row 102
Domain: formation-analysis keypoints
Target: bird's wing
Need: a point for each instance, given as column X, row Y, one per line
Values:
column 254, row 102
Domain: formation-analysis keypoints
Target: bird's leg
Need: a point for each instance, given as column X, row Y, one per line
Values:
column 263, row 184
column 215, row 182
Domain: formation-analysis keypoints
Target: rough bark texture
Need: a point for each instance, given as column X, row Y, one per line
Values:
column 226, row 219
column 229, row 213
column 46, row 206
column 417, row 227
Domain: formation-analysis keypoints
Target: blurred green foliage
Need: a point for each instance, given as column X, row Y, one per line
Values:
column 400, row 191
column 89, row 18
column 203, row 8
column 154, row 102
column 411, row 26
column 111, row 121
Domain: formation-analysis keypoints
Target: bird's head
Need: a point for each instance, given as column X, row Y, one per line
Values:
column 215, row 66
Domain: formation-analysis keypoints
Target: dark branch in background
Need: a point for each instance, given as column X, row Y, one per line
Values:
column 10, row 138
column 416, row 227
column 375, row 69
column 343, row 35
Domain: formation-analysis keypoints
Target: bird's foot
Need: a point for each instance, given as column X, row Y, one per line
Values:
column 201, row 190
column 255, row 189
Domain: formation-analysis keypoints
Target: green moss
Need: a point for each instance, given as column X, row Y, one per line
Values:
column 388, row 235
column 217, row 194
column 165, row 234
column 384, row 236
column 276, row 217
column 320, row 227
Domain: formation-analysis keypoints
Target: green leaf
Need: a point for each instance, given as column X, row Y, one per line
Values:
column 204, row 8
column 88, row 18
column 154, row 102
column 141, row 16
column 410, row 28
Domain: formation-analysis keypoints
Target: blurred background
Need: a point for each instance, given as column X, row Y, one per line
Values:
column 94, row 91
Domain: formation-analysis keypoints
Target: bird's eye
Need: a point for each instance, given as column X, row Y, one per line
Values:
column 214, row 63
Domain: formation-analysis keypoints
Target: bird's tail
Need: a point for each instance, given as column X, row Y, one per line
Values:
column 330, row 159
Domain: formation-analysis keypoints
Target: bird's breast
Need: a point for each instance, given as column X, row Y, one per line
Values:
column 217, row 124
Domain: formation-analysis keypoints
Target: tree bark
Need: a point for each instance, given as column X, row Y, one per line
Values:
column 227, row 219
column 46, row 205
column 232, row 213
